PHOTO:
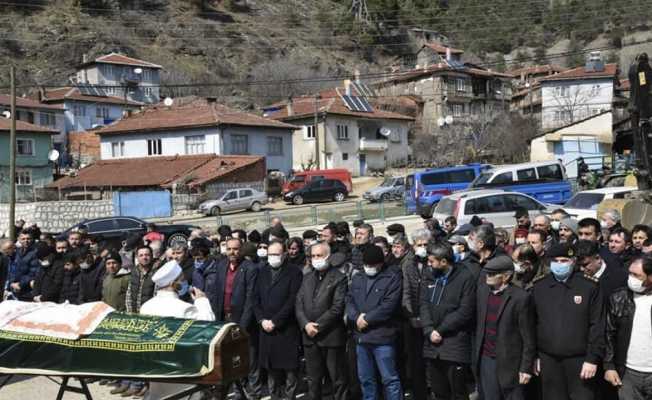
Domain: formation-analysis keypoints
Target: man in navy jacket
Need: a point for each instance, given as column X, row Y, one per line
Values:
column 27, row 266
column 372, row 309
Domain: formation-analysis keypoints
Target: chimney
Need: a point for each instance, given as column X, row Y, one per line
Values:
column 290, row 107
column 356, row 75
column 41, row 94
column 594, row 63
column 347, row 87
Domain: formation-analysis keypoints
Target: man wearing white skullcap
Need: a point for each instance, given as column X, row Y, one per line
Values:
column 170, row 285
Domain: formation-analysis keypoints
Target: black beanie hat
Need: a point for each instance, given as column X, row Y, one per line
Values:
column 373, row 255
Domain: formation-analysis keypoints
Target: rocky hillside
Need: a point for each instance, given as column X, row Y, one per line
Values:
column 203, row 41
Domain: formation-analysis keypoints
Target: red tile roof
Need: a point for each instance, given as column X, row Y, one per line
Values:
column 199, row 113
column 537, row 70
column 331, row 103
column 73, row 93
column 161, row 171
column 24, row 127
column 25, row 102
column 120, row 59
column 441, row 49
column 610, row 71
column 441, row 68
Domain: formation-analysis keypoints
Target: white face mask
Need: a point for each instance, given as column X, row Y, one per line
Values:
column 275, row 261
column 223, row 248
column 635, row 285
column 261, row 252
column 84, row 265
column 519, row 240
column 518, row 267
column 472, row 245
column 421, row 252
column 45, row 263
column 370, row 271
column 319, row 264
column 554, row 225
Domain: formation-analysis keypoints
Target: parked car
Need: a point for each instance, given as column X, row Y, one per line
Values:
column 116, row 229
column 300, row 179
column 318, row 190
column 495, row 206
column 234, row 200
column 424, row 189
column 585, row 204
column 545, row 181
column 392, row 188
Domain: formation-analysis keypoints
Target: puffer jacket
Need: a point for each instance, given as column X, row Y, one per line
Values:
column 620, row 320
column 27, row 266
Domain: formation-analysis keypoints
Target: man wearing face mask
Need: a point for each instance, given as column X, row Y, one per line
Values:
column 628, row 359
column 415, row 271
column 49, row 279
column 309, row 237
column 91, row 278
column 319, row 309
column 276, row 290
column 570, row 328
column 522, row 227
column 505, row 341
column 447, row 312
column 372, row 310
column 460, row 248
column 528, row 266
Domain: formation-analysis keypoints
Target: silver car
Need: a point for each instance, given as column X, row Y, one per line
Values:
column 233, row 200
column 392, row 188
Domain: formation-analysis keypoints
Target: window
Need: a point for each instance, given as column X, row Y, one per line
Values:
column 102, row 112
column 308, row 132
column 342, row 132
column 550, row 172
column 79, row 110
column 345, row 156
column 526, row 175
column 23, row 177
column 562, row 91
column 48, row 119
column 246, row 193
column 126, row 223
column 505, row 177
column 460, row 85
column 107, row 71
column 149, row 91
column 485, row 205
column 231, row 196
column 147, row 74
column 437, row 178
column 595, row 90
column 239, row 144
column 104, row 225
column 154, row 147
column 463, row 176
column 117, row 149
column 456, row 109
column 274, row 146
column 195, row 144
column 25, row 147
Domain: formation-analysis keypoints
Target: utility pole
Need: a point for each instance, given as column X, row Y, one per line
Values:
column 316, row 131
column 12, row 158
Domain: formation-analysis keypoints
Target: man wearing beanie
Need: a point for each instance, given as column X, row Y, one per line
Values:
column 505, row 341
column 570, row 323
column 568, row 231
column 372, row 311
column 116, row 280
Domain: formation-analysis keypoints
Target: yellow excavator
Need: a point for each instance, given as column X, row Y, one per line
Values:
column 638, row 208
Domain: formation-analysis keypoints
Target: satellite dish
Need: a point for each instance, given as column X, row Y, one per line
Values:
column 53, row 155
column 385, row 131
column 138, row 71
column 449, row 119
column 441, row 121
column 168, row 101
column 6, row 114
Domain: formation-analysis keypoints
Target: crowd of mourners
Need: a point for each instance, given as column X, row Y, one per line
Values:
column 553, row 309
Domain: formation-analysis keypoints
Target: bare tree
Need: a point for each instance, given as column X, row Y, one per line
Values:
column 571, row 104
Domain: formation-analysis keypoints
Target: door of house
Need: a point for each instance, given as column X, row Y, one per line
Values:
column 363, row 164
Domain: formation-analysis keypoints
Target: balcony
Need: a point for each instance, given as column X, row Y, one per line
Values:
column 132, row 78
column 373, row 144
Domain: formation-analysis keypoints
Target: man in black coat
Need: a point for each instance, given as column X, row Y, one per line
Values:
column 277, row 285
column 229, row 285
column 320, row 309
column 505, row 341
column 447, row 312
column 591, row 263
column 49, row 279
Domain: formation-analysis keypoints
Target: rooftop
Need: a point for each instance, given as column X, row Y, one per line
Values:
column 441, row 49
column 610, row 71
column 73, row 93
column 442, row 68
column 537, row 70
column 196, row 114
column 121, row 59
column 26, row 102
column 24, row 127
column 162, row 171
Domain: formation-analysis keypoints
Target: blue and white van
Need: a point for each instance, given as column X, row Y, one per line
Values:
column 424, row 189
column 545, row 180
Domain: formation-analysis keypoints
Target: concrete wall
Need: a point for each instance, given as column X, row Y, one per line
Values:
column 258, row 145
column 55, row 216
column 584, row 98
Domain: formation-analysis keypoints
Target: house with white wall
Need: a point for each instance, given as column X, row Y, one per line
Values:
column 200, row 126
column 122, row 76
column 350, row 133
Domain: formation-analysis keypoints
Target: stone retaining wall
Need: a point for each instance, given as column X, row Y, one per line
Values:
column 55, row 216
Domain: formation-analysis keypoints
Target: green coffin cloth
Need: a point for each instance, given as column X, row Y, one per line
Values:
column 124, row 345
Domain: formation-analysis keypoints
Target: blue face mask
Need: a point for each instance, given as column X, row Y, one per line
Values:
column 561, row 271
column 183, row 290
column 199, row 264
column 457, row 257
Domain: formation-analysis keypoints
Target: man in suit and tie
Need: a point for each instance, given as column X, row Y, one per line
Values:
column 320, row 310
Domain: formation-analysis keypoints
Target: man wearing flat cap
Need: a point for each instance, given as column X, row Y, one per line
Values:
column 505, row 341
column 570, row 323
column 372, row 310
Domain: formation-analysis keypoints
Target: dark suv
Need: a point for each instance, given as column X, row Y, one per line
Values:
column 116, row 229
column 318, row 190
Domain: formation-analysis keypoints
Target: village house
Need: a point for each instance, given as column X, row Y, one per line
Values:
column 198, row 126
column 122, row 76
column 526, row 96
column 351, row 132
column 33, row 167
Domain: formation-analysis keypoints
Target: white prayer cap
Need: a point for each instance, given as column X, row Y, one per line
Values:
column 167, row 274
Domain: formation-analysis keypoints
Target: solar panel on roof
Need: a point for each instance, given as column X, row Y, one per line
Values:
column 349, row 102
column 365, row 104
column 363, row 89
column 91, row 90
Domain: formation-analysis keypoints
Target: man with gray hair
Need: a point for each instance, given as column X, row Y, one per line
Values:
column 483, row 246
column 180, row 253
column 609, row 222
column 543, row 223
